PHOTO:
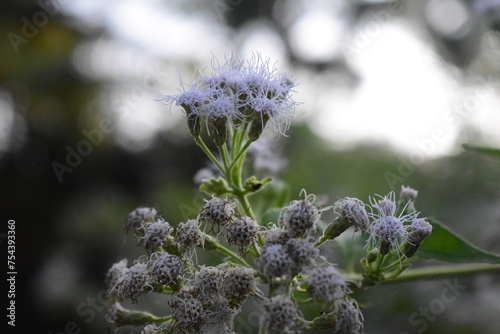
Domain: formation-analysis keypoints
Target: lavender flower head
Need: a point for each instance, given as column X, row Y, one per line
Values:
column 388, row 229
column 301, row 216
column 237, row 91
column 327, row 283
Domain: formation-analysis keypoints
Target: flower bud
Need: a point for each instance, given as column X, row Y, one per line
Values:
column 301, row 252
column 166, row 268
column 276, row 236
column 406, row 200
column 242, row 232
column 132, row 281
column 217, row 212
column 188, row 235
column 327, row 284
column 193, row 121
column 274, row 261
column 348, row 317
column 351, row 212
column 117, row 316
column 386, row 207
column 138, row 217
column 151, row 329
column 300, row 217
column 279, row 314
column 257, row 127
column 155, row 235
column 419, row 230
column 187, row 312
column 114, row 274
column 208, row 282
column 239, row 282
column 218, row 130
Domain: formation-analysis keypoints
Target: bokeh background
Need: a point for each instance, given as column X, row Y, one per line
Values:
column 389, row 90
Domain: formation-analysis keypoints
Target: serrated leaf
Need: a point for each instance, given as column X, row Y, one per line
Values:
column 216, row 186
column 252, row 185
column 445, row 245
column 483, row 149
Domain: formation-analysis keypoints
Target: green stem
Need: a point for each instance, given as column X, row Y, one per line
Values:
column 212, row 243
column 232, row 255
column 207, row 151
column 137, row 318
column 443, row 271
column 245, row 203
column 391, row 266
column 379, row 262
column 225, row 158
column 237, row 184
column 435, row 273
column 239, row 136
column 239, row 155
column 163, row 319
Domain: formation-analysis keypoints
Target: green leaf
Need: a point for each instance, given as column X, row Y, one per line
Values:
column 252, row 185
column 444, row 245
column 216, row 186
column 482, row 149
column 324, row 321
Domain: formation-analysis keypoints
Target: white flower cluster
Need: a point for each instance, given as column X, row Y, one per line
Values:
column 389, row 231
column 213, row 297
column 207, row 298
column 237, row 92
column 283, row 255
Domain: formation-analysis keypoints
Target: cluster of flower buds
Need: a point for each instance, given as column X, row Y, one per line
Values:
column 152, row 231
column 237, row 92
column 400, row 232
column 283, row 255
column 392, row 226
column 220, row 214
column 212, row 298
column 207, row 298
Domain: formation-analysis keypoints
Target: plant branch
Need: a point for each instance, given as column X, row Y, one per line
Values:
column 207, row 151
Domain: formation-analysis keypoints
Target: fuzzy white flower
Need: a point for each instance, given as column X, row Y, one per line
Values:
column 300, row 216
column 389, row 230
